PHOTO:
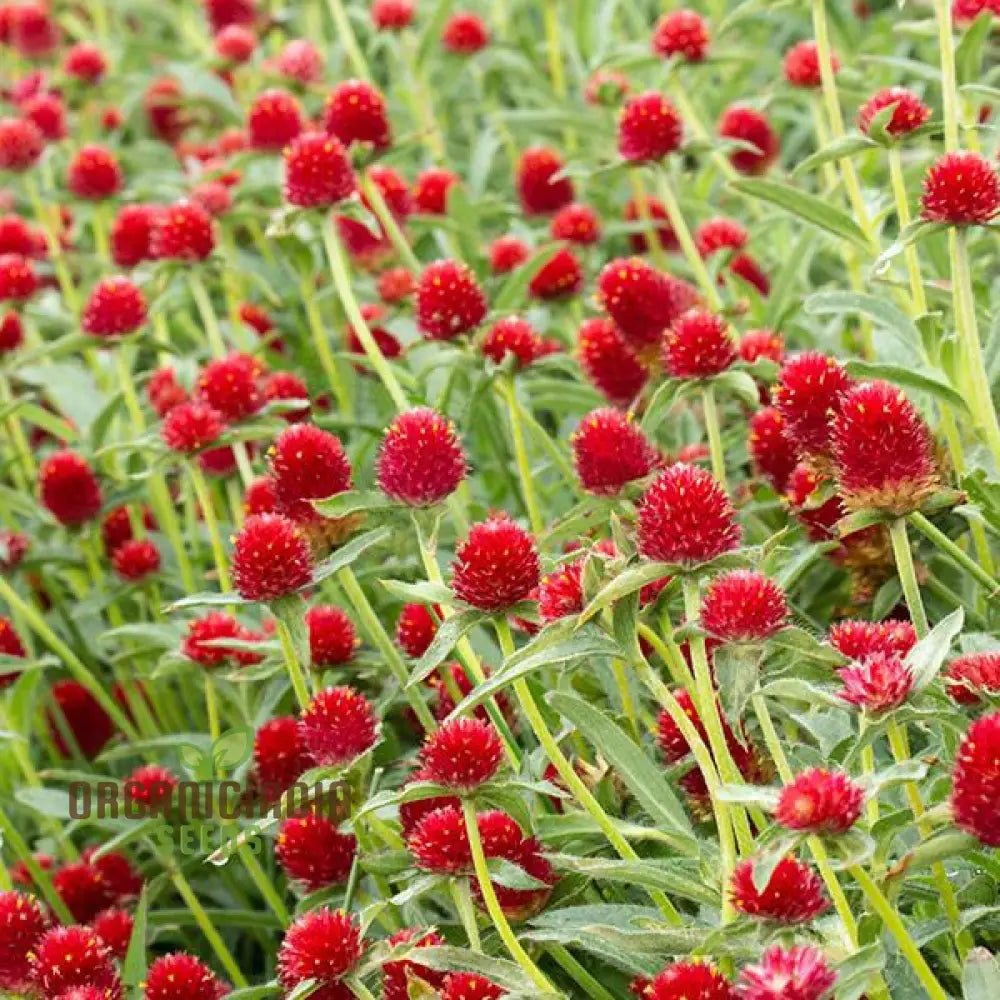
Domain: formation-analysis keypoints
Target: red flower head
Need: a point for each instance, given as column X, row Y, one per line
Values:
column 421, row 461
column 116, row 873
column 48, row 112
column 649, row 128
column 972, row 676
column 576, row 223
column 681, row 32
column 214, row 626
column 280, row 756
column 718, row 234
column 698, row 344
column 746, row 124
column 21, row 144
column 859, row 639
column 312, row 851
column 397, row 973
column 793, row 894
column 34, row 33
column 274, row 120
column 963, row 11
column 413, row 811
column 808, row 391
column 878, row 683
column 692, row 980
column 560, row 593
column 116, row 528
column 65, row 957
column 338, row 726
column 819, row 801
column 325, row 945
column 114, row 927
column 606, row 88
column 235, row 44
column 317, row 171
column 257, row 318
column 496, row 566
column 69, row 489
column 182, row 231
column 439, row 843
column 609, row 450
column 22, row 923
column 10, row 645
column 182, row 977
column 18, row 280
column 465, row 34
column 94, row 173
column 260, row 497
column 772, row 453
column 86, row 720
column 798, row 973
column 655, row 212
column 462, row 754
column 430, row 192
column 415, row 629
column 642, row 301
column 449, row 300
column 18, row 237
column 961, row 189
column 559, row 276
column 513, row 335
column 116, row 307
column 743, row 606
column 287, row 387
column 307, row 464
column 502, row 838
column 396, row 284
column 609, row 362
column 190, row 426
column 755, row 344
column 230, row 386
column 685, row 517
column 976, row 780
column 355, row 112
column 86, row 62
column 300, row 61
column 670, row 739
column 11, row 332
column 802, row 65
column 909, row 112
column 131, row 234
column 392, row 15
column 81, row 888
column 882, row 450
column 270, row 558
column 538, row 192
column 222, row 13
column 149, row 786
column 470, row 986
column 136, row 559
column 332, row 639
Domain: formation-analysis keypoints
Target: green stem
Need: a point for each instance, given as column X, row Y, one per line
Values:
column 346, row 36
column 908, row 575
column 946, row 545
column 390, row 225
column 553, row 49
column 263, row 883
column 295, row 671
column 322, row 347
column 209, row 320
column 39, row 876
column 215, row 536
column 949, row 85
column 507, row 392
column 462, row 897
column 917, row 293
column 590, row 986
column 714, row 436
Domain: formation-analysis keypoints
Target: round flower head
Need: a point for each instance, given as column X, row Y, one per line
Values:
column 415, row 629
column 508, row 253
column 559, row 276
column 797, row 973
column 470, row 986
column 439, row 842
column 698, row 345
column 745, row 124
column 271, row 558
column 465, row 34
column 882, row 450
column 392, row 15
column 690, row 980
column 274, row 120
column 210, row 628
column 649, row 128
column 11, row 332
column 502, row 838
column 770, row 450
column 496, row 566
column 307, row 463
column 235, row 44
column 338, row 726
column 114, row 927
column 191, row 426
column 421, row 461
column 449, row 300
column 332, row 638
column 743, row 606
column 802, row 68
column 182, row 977
column 300, row 61
column 513, row 335
column 653, row 216
column 396, row 974
column 430, row 192
column 230, row 385
column 34, row 33
column 560, row 593
column 681, row 32
column 313, row 852
column 149, row 786
column 22, row 923
column 317, row 171
column 280, row 755
column 808, row 390
column 69, row 489
column 609, row 450
column 21, row 144
column 576, row 223
column 48, row 112
column 961, row 189
column 65, row 957
column 463, row 754
column 608, row 362
column 537, row 191
column 909, row 112
column 971, row 677
column 963, row 11
column 131, row 233
column 878, row 683
column 223, row 13
column 287, row 387
column 793, row 894
column 685, row 517
column 859, row 639
column 324, row 945
column 396, row 285
column 819, row 801
column 606, row 88
column 355, row 112
column 18, row 280
column 81, row 889
column 94, row 173
column 136, row 559
column 88, row 723
column 183, row 231
column 976, row 781
column 670, row 739
column 260, row 498
column 10, row 645
column 116, row 307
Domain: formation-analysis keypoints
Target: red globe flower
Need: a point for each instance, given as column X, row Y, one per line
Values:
column 82, row 890
column 18, row 280
column 286, row 387
column 858, row 639
column 538, row 191
column 10, row 645
column 190, row 426
column 149, row 787
column 355, row 112
column 609, row 362
column 222, row 13
column 312, row 851
column 271, row 558
column 681, row 32
column 793, row 894
column 465, row 34
column 324, row 945
column 396, row 284
column 274, row 120
column 392, row 15
column 307, row 464
column 136, row 559
column 65, row 957
column 230, row 386
column 114, row 927
column 300, row 61
column 649, row 128
column 439, row 842
column 85, row 61
column 746, row 124
column 687, row 980
column 338, row 726
column 797, row 973
column 686, row 517
column 11, row 333
column 280, row 756
column 508, row 253
column 415, row 629
column 48, row 112
column 609, row 450
column 88, row 723
column 430, row 192
column 332, row 638
column 576, row 223
column 183, row 231
column 22, row 924
column 976, row 780
column 819, row 801
column 720, row 233
column 698, row 344
column 396, row 974
column 743, row 606
column 214, row 626
column 802, row 68
column 756, row 344
column 470, row 986
column 463, row 754
column 514, row 335
column 496, row 566
column 908, row 114
column 69, row 489
column 653, row 215
column 971, row 677
column 449, row 300
column 235, row 44
column 560, row 593
column 21, row 144
column 772, row 453
column 131, row 234
column 421, row 461
column 961, row 189
column 317, row 171
column 559, row 276
column 877, row 684
column 669, row 737
column 808, row 391
column 182, row 977
column 94, row 173
column 260, row 497
column 116, row 307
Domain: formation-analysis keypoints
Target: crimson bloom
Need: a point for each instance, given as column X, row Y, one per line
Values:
column 332, row 637
column 797, row 973
column 972, row 676
column 324, row 945
column 819, row 801
column 355, row 111
column 743, row 605
column 698, row 344
column 878, row 683
column 681, row 32
column 314, row 852
column 462, row 754
column 609, row 451
column 271, row 558
column 449, row 300
column 538, row 192
column 961, row 189
column 421, row 460
column 69, row 488
column 609, row 362
column 908, row 111
column 793, row 894
column 338, row 725
column 976, row 781
column 317, row 171
column 746, row 124
column 649, row 128
column 179, row 976
column 496, row 566
column 116, row 307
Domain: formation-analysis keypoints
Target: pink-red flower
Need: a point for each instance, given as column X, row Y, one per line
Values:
column 271, row 558
column 976, row 781
column 496, row 566
column 314, row 852
column 743, row 605
column 338, row 725
column 793, row 894
column 421, row 461
column 908, row 111
column 797, row 973
column 324, row 945
column 609, row 451
column 820, row 801
column 649, row 128
column 317, row 171
column 961, row 189
column 538, row 189
column 682, row 32
column 449, row 300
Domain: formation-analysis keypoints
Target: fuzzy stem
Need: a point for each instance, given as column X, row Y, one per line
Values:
column 295, row 671
column 949, row 85
column 908, row 575
column 462, row 897
column 711, row 412
column 917, row 294
column 507, row 392
column 390, row 225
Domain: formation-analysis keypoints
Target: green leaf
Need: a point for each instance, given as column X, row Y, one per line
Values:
column 927, row 657
column 512, row 876
column 879, row 310
column 634, row 578
column 667, row 394
column 672, row 876
column 52, row 802
column 980, row 976
column 348, row 553
column 255, row 992
column 927, row 380
column 205, row 599
column 969, row 51
column 739, row 383
column 134, row 965
column 644, row 778
column 839, row 149
column 425, row 592
column 514, row 290
column 737, row 670
column 447, row 635
column 351, row 502
column 804, row 205
column 913, row 233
